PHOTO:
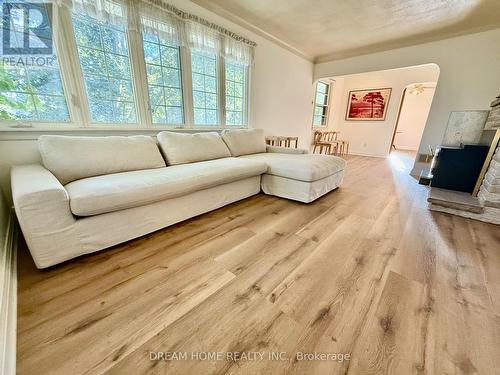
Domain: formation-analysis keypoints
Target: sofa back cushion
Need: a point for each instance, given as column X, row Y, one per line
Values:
column 245, row 142
column 182, row 148
column 73, row 158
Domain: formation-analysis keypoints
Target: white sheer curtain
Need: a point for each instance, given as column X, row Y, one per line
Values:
column 237, row 51
column 110, row 11
column 202, row 38
column 206, row 39
column 171, row 24
column 184, row 29
column 164, row 24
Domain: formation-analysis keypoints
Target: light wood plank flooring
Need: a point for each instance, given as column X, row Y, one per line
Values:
column 366, row 270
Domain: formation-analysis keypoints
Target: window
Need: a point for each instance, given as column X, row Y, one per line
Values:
column 104, row 59
column 205, row 98
column 31, row 92
column 235, row 91
column 163, row 68
column 320, row 116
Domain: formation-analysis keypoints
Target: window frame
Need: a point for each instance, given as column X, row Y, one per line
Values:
column 218, row 75
column 246, row 97
column 147, row 96
column 324, row 106
column 75, row 90
column 133, row 83
column 66, row 82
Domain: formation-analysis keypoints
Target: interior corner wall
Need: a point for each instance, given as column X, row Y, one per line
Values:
column 469, row 74
column 373, row 138
column 337, row 95
column 281, row 93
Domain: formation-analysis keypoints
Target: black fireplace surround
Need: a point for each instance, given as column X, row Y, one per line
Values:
column 458, row 168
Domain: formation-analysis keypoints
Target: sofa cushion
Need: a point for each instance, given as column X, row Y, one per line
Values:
column 302, row 167
column 245, row 142
column 181, row 148
column 73, row 158
column 96, row 195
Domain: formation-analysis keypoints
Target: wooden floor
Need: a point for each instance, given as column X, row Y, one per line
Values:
column 365, row 271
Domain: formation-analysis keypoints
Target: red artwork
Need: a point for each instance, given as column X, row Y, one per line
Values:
column 368, row 105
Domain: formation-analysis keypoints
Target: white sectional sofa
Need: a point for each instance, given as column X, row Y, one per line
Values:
column 95, row 192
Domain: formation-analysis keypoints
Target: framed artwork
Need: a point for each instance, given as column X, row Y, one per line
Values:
column 368, row 105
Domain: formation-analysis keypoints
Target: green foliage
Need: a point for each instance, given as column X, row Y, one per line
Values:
column 33, row 93
column 164, row 80
column 105, row 64
column 14, row 106
column 235, row 80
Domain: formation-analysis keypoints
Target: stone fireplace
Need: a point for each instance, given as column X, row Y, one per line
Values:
column 489, row 192
column 484, row 203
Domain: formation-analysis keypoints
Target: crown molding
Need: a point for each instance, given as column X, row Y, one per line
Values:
column 388, row 46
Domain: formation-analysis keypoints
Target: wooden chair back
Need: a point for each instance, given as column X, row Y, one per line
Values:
column 321, row 136
column 330, row 136
column 317, row 136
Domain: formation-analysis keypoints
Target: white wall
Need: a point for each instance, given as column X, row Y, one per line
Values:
column 373, row 138
column 280, row 101
column 469, row 77
column 414, row 112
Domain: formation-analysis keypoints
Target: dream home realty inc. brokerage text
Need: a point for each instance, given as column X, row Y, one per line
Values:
column 247, row 356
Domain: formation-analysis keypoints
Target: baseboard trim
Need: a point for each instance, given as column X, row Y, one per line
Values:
column 406, row 148
column 8, row 300
column 368, row 155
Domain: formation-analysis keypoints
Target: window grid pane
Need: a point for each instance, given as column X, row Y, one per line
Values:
column 235, row 85
column 106, row 70
column 164, row 80
column 205, row 98
column 31, row 92
column 321, row 104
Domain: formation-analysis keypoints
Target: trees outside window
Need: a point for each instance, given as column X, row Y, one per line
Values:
column 235, row 89
column 205, row 94
column 104, row 58
column 31, row 92
column 163, row 67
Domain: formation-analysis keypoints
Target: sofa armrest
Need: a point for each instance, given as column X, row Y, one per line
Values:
column 40, row 201
column 285, row 150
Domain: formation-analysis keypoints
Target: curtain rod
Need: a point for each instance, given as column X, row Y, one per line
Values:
column 194, row 18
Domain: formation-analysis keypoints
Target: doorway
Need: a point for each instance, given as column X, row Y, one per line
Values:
column 412, row 116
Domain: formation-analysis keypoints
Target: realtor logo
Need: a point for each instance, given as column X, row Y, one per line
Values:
column 27, row 28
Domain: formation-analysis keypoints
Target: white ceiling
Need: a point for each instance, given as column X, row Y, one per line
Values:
column 322, row 30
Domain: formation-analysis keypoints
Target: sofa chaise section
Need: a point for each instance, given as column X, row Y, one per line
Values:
column 303, row 178
column 291, row 173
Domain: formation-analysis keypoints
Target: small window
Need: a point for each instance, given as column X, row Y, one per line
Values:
column 104, row 58
column 320, row 116
column 205, row 98
column 235, row 85
column 163, row 68
column 31, row 92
